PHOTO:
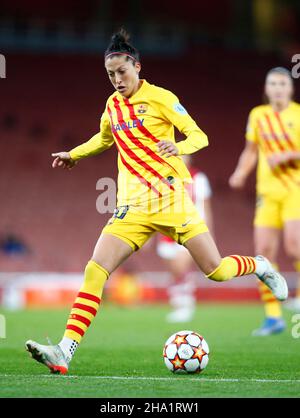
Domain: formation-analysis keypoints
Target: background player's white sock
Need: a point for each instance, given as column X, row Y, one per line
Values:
column 183, row 301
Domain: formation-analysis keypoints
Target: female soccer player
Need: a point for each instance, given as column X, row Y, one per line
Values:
column 140, row 118
column 273, row 137
column 177, row 259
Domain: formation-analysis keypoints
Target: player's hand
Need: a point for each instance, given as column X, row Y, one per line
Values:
column 63, row 159
column 275, row 160
column 237, row 180
column 167, row 148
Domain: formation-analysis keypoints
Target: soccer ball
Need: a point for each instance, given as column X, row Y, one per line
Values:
column 186, row 352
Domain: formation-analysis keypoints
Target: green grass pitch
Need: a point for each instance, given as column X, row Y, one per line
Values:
column 121, row 355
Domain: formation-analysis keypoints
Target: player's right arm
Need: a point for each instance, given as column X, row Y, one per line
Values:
column 248, row 158
column 100, row 142
column 246, row 164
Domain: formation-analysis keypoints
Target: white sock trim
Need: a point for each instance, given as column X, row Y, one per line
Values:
column 261, row 266
column 68, row 347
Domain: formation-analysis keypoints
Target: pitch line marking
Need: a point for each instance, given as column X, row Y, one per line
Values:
column 154, row 378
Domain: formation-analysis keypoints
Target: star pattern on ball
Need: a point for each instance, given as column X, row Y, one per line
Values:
column 177, row 363
column 180, row 339
column 199, row 353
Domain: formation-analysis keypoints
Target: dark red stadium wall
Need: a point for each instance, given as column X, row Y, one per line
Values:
column 49, row 10
column 67, row 94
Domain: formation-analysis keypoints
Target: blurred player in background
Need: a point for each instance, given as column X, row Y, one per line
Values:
column 273, row 138
column 139, row 118
column 178, row 260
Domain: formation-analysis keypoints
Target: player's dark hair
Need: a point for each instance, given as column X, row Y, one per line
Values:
column 278, row 70
column 119, row 44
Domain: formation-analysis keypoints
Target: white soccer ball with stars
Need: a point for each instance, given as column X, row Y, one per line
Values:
column 186, row 352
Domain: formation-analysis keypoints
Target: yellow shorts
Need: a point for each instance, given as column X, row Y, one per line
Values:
column 136, row 227
column 272, row 212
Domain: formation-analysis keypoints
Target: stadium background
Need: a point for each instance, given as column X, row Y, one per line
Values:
column 213, row 55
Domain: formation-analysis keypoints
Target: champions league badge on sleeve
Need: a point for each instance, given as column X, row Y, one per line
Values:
column 180, row 109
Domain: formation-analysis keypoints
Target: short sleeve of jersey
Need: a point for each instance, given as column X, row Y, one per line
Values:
column 251, row 129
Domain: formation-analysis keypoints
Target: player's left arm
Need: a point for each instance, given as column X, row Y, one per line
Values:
column 175, row 113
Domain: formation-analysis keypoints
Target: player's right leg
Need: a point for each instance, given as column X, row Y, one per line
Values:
column 110, row 251
column 205, row 253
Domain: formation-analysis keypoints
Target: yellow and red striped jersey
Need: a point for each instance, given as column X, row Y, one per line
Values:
column 275, row 132
column 136, row 125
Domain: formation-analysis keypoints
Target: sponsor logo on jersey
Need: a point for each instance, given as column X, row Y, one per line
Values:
column 136, row 123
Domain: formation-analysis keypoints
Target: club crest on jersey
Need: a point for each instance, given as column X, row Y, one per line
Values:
column 142, row 108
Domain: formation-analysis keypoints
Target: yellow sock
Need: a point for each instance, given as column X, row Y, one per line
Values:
column 87, row 301
column 233, row 266
column 297, row 268
column 272, row 306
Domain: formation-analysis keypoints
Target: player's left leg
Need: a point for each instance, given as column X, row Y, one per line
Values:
column 291, row 237
column 206, row 255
